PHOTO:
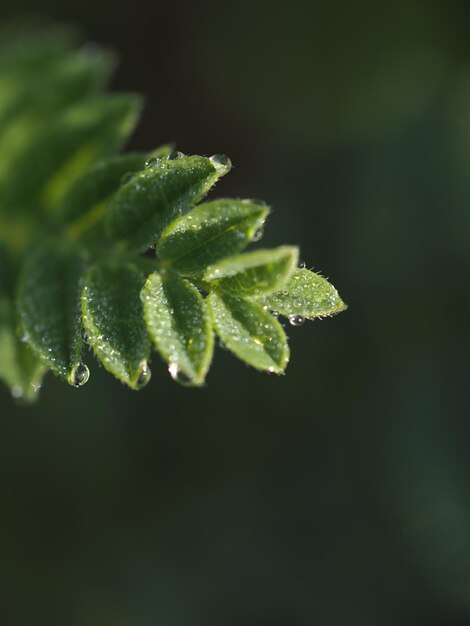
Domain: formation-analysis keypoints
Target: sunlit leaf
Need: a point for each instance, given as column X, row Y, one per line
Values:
column 254, row 274
column 142, row 208
column 179, row 326
column 250, row 332
column 306, row 294
column 210, row 232
column 114, row 322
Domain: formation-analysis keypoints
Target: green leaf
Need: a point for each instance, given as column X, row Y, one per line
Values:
column 306, row 294
column 209, row 233
column 254, row 274
column 85, row 203
column 179, row 326
column 114, row 323
column 20, row 369
column 142, row 208
column 49, row 310
column 250, row 332
column 66, row 148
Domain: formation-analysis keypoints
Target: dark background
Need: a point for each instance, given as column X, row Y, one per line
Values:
column 339, row 494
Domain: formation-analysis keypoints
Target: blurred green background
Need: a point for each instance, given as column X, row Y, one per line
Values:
column 338, row 494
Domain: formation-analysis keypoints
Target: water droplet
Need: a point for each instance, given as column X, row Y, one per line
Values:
column 125, row 178
column 176, row 154
column 222, row 163
column 275, row 313
column 179, row 376
column 80, row 375
column 258, row 234
column 144, row 376
column 296, row 320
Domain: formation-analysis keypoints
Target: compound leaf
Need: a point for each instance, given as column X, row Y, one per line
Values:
column 254, row 274
column 250, row 332
column 114, row 322
column 142, row 208
column 60, row 176
column 179, row 326
column 49, row 311
column 210, row 232
column 306, row 294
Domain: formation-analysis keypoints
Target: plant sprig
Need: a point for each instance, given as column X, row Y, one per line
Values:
column 78, row 220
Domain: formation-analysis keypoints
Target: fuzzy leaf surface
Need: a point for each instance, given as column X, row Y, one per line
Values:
column 209, row 233
column 142, row 208
column 254, row 274
column 114, row 322
column 250, row 332
column 179, row 325
column 49, row 310
column 306, row 294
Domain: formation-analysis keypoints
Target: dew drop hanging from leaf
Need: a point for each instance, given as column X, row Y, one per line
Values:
column 296, row 320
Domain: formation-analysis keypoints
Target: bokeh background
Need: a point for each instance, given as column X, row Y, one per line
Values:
column 339, row 494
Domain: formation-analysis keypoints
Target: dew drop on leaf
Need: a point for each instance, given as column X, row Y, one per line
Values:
column 179, row 376
column 258, row 234
column 296, row 320
column 221, row 163
column 80, row 375
column 144, row 376
column 176, row 154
